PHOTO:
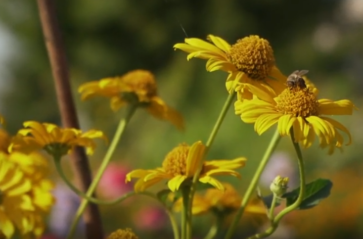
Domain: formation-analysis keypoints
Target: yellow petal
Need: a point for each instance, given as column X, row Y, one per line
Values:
column 212, row 181
column 220, row 43
column 195, row 158
column 175, row 182
column 340, row 107
column 340, row 127
column 264, row 122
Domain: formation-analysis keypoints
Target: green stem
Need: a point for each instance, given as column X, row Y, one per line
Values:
column 215, row 228
column 120, row 129
column 185, row 213
column 296, row 204
column 72, row 187
column 219, row 121
column 252, row 186
column 174, row 225
column 272, row 208
column 208, row 145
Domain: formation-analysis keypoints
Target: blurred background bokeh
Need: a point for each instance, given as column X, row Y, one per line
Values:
column 110, row 38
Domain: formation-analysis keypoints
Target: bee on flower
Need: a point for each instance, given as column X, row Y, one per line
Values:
column 298, row 108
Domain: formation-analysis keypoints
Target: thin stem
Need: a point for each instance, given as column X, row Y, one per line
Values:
column 252, row 186
column 208, row 145
column 272, row 208
column 72, row 187
column 174, row 225
column 214, row 228
column 57, row 57
column 219, row 121
column 296, row 204
column 111, row 149
column 185, row 214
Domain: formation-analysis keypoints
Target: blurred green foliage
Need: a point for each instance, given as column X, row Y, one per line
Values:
column 109, row 38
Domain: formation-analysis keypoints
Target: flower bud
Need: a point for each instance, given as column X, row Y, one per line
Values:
column 279, row 185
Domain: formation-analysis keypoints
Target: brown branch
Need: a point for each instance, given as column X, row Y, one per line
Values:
column 67, row 109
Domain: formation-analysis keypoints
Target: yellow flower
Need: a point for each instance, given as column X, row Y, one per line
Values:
column 221, row 202
column 122, row 234
column 16, row 204
column 136, row 87
column 53, row 139
column 181, row 164
column 299, row 108
column 250, row 64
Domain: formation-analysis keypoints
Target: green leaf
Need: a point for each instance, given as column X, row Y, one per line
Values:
column 314, row 193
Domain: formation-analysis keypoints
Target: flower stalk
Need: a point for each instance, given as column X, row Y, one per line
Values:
column 275, row 222
column 120, row 129
column 209, row 143
column 252, row 186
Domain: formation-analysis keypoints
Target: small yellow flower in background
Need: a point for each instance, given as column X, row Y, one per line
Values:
column 221, row 202
column 54, row 140
column 123, row 234
column 181, row 164
column 250, row 64
column 136, row 87
column 299, row 108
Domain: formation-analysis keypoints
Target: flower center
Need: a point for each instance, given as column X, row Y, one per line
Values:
column 123, row 234
column 299, row 102
column 1, row 200
column 142, row 83
column 253, row 56
column 175, row 163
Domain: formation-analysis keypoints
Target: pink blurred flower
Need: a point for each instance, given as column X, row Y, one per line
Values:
column 150, row 218
column 112, row 184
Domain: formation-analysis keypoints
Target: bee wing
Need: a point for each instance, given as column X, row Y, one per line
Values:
column 302, row 72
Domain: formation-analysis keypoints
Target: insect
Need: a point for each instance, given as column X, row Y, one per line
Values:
column 295, row 79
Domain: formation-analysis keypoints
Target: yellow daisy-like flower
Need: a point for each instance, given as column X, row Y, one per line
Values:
column 181, row 164
column 136, row 87
column 123, row 234
column 250, row 64
column 35, row 169
column 221, row 202
column 54, row 140
column 16, row 206
column 298, row 108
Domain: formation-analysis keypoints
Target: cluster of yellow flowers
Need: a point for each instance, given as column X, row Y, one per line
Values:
column 265, row 97
column 25, row 187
